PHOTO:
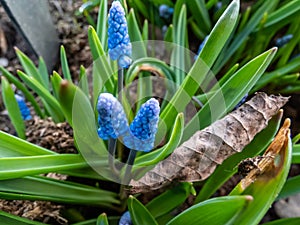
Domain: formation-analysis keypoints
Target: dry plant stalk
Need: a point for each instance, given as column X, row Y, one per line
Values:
column 266, row 164
column 197, row 158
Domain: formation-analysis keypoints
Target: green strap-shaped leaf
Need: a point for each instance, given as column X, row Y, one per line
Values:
column 11, row 146
column 155, row 64
column 243, row 35
column 291, row 187
column 228, row 96
column 289, row 221
column 196, row 75
column 292, row 66
column 170, row 199
column 44, row 93
column 16, row 167
column 12, row 79
column 43, row 71
column 266, row 186
column 66, row 95
column 102, row 220
column 83, row 82
column 214, row 211
column 12, row 107
column 178, row 56
column 282, row 13
column 64, row 64
column 102, row 23
column 145, row 33
column 138, row 47
column 101, row 67
column 9, row 219
column 200, row 14
column 30, row 68
column 48, row 189
column 296, row 153
column 56, row 79
column 139, row 214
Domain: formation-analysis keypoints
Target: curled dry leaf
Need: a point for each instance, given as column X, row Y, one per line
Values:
column 268, row 164
column 198, row 157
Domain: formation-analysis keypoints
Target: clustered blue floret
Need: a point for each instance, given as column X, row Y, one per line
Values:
column 111, row 117
column 125, row 219
column 165, row 11
column 119, row 46
column 25, row 112
column 144, row 127
column 140, row 135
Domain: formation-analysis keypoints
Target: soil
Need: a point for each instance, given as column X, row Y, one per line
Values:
column 73, row 35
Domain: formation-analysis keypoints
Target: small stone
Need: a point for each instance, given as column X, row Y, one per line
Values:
column 3, row 62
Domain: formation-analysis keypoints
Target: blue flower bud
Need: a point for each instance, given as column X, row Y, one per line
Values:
column 201, row 47
column 124, row 61
column 165, row 11
column 118, row 38
column 144, row 127
column 112, row 119
column 125, row 219
column 25, row 112
column 241, row 102
column 279, row 42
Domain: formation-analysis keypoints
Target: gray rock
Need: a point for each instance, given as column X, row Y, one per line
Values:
column 32, row 18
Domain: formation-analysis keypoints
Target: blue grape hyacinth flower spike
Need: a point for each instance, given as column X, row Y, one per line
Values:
column 25, row 112
column 144, row 127
column 111, row 117
column 125, row 219
column 165, row 11
column 119, row 46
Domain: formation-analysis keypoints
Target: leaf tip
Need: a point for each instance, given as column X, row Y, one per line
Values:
column 249, row 198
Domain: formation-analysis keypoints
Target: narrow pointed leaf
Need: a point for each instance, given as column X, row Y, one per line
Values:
column 12, row 107
column 102, row 220
column 64, row 64
column 56, row 80
column 12, row 79
column 66, row 94
column 139, row 214
column 291, row 187
column 138, row 48
column 214, row 211
column 169, row 200
column 265, row 181
column 43, row 71
column 196, row 75
column 45, row 94
column 30, row 68
column 102, row 23
column 48, row 189
column 229, row 95
column 9, row 219
column 16, row 167
column 102, row 69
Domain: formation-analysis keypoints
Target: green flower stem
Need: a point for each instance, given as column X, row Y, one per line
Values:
column 112, row 143
column 120, row 83
column 127, row 175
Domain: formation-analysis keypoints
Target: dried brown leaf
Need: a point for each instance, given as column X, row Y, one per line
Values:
column 268, row 165
column 198, row 157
